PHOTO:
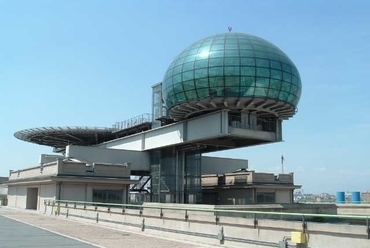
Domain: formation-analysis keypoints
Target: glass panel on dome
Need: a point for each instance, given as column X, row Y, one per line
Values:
column 188, row 85
column 232, row 53
column 247, row 81
column 294, row 89
column 261, row 55
column 262, row 82
column 231, row 71
column 231, row 62
column 274, row 94
column 216, row 54
column 219, row 42
column 178, row 88
column 231, row 46
column 247, row 71
column 176, row 79
column 286, row 67
column 216, row 82
column 216, row 62
column 216, row 71
column 179, row 62
column 181, row 97
column 232, row 92
column 193, row 51
column 203, row 93
column 200, row 73
column 262, row 63
column 275, row 65
column 190, row 58
column 287, row 77
column 263, row 72
column 276, row 74
column 231, row 81
column 246, row 53
column 286, row 86
column 191, row 95
column 177, row 70
column 188, row 66
column 247, row 61
column 218, row 91
column 201, row 83
column 188, row 75
column 245, row 46
column 283, row 96
column 275, row 84
column 216, row 47
column 274, row 56
column 291, row 98
column 260, row 92
column 203, row 63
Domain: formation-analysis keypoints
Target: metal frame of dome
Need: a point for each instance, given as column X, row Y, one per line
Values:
column 60, row 137
column 261, row 80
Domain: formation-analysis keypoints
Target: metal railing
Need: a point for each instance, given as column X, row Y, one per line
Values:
column 135, row 121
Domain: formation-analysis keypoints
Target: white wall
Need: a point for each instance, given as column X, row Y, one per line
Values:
column 17, row 196
column 73, row 192
column 138, row 160
column 46, row 192
column 215, row 165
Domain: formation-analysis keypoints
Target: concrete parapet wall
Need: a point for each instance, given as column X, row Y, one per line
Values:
column 206, row 227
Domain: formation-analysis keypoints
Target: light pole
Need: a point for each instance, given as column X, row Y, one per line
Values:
column 282, row 164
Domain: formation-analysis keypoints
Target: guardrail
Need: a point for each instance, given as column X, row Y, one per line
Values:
column 107, row 207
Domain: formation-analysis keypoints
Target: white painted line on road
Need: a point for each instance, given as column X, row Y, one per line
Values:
column 57, row 233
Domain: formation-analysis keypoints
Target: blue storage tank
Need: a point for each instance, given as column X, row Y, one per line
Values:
column 356, row 197
column 341, row 197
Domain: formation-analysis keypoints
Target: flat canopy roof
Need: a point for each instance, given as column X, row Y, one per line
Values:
column 60, row 137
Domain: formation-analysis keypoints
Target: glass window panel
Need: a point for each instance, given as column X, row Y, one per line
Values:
column 215, row 47
column 180, row 97
column 274, row 94
column 275, row 65
column 295, row 80
column 179, row 62
column 231, row 46
column 187, row 75
column 200, row 73
column 231, row 81
column 188, row 66
column 216, row 71
column 286, row 67
column 203, row 93
column 168, row 81
column 262, row 82
column 231, row 71
column 246, row 53
column 258, row 47
column 283, row 96
column 247, row 71
column 294, row 89
column 232, row 92
column 261, row 92
column 216, row 62
column 219, row 41
column 248, row 61
column 177, row 69
column 203, row 63
column 188, row 85
column 220, row 91
column 247, row 81
column 246, row 91
column 261, row 55
column 193, row 51
column 231, row 61
column 275, row 84
column 201, row 83
column 207, row 43
column 262, row 63
column 276, row 74
column 191, row 95
column 176, row 79
column 231, row 53
column 169, row 73
column 286, row 86
column 178, row 88
column 287, row 77
column 216, row 82
column 245, row 46
column 231, row 39
column 216, row 54
column 189, row 58
column 263, row 72
column 273, row 56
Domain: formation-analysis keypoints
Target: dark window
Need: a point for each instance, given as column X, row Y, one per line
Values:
column 108, row 196
column 265, row 197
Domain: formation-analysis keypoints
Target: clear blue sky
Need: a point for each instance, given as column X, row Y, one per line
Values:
column 92, row 63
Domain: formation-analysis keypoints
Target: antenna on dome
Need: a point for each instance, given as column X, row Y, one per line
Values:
column 229, row 28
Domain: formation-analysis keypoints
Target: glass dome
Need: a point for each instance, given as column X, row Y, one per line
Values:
column 232, row 67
